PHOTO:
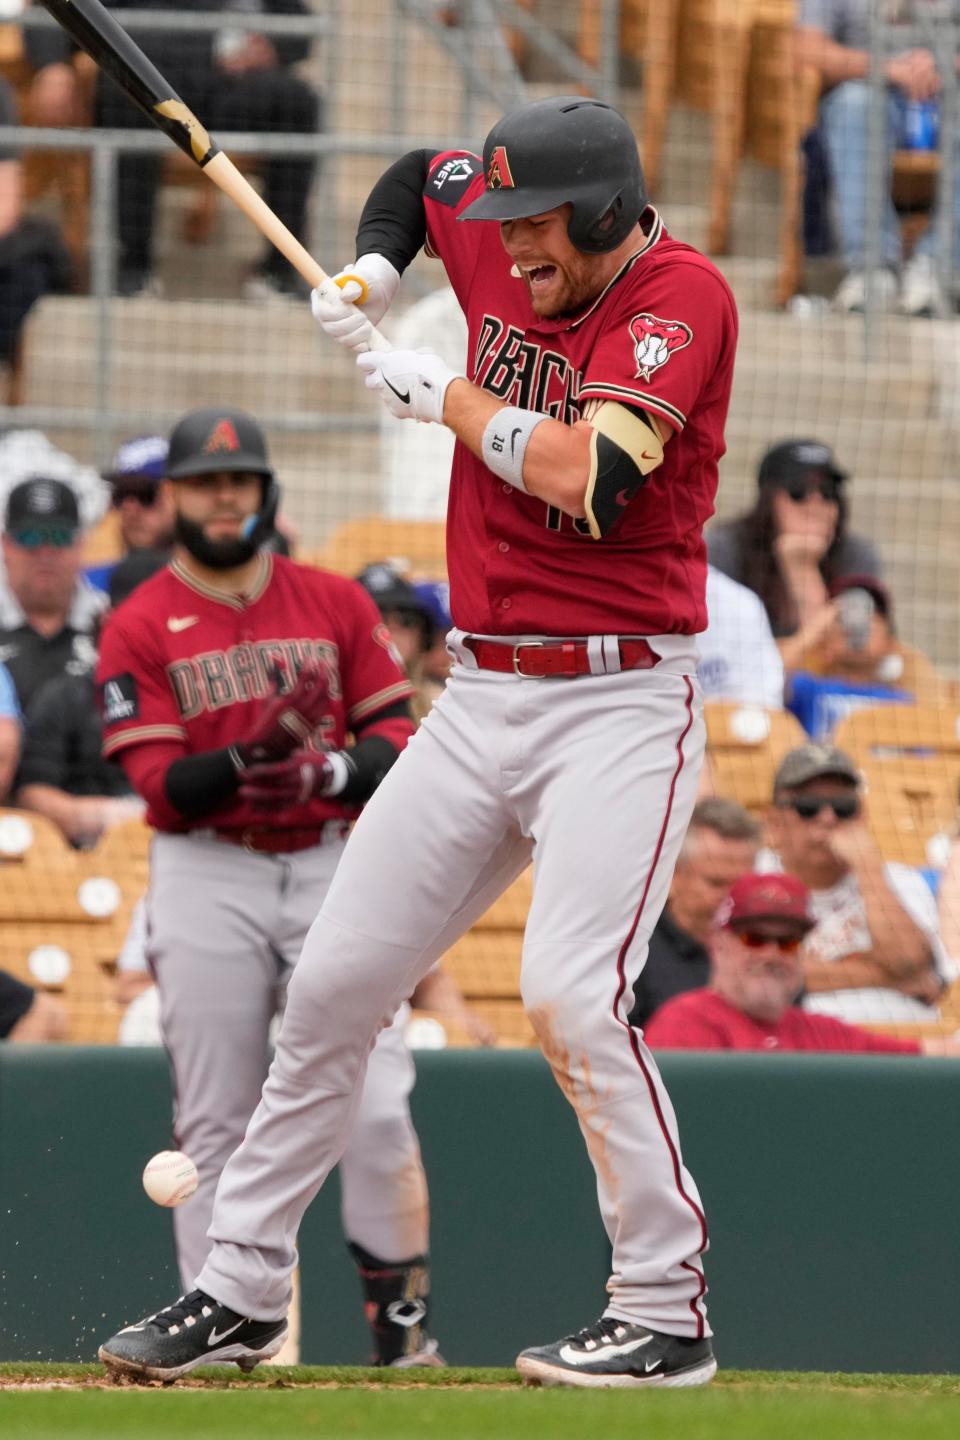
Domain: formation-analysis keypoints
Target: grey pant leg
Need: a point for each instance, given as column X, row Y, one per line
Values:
column 383, row 1187
column 403, row 893
column 209, row 912
column 385, row 1207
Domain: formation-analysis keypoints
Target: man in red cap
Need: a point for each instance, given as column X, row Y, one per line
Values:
column 756, row 976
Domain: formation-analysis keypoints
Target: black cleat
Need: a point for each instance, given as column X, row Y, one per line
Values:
column 614, row 1353
column 197, row 1330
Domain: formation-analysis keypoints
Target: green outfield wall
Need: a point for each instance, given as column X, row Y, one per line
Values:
column 832, row 1186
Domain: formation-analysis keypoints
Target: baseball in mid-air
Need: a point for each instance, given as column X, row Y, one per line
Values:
column 170, row 1177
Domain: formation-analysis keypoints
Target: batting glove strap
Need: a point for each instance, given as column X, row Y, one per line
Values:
column 505, row 443
column 411, row 383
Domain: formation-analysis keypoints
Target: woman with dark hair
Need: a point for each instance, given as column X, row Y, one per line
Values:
column 794, row 544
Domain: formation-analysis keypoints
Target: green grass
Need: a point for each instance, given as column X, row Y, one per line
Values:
column 476, row 1405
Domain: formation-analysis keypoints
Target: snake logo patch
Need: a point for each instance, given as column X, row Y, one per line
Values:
column 655, row 340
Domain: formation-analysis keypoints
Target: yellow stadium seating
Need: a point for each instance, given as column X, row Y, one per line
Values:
column 745, row 745
column 415, row 547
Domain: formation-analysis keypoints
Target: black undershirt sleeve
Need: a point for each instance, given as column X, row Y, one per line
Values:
column 196, row 784
column 372, row 755
column 393, row 222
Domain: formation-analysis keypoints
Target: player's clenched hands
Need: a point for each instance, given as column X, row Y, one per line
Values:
column 411, row 383
column 283, row 783
column 287, row 722
column 342, row 311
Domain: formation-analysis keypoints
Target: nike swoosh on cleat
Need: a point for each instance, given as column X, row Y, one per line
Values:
column 651, row 1365
column 402, row 395
column 214, row 1338
column 602, row 1352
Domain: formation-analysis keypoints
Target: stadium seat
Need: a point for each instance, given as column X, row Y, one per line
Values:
column 486, row 964
column 509, row 912
column 66, row 959
column 746, row 744
column 416, row 547
column 894, row 732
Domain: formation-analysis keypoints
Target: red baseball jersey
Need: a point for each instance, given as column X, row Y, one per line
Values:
column 188, row 668
column 703, row 1020
column 661, row 336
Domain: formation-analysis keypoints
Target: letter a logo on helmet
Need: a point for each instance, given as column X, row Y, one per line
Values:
column 499, row 176
column 223, row 439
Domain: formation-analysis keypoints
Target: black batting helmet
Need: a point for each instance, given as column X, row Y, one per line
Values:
column 564, row 149
column 217, row 439
column 220, row 439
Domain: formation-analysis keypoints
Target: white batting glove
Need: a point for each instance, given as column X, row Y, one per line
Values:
column 341, row 311
column 411, row 383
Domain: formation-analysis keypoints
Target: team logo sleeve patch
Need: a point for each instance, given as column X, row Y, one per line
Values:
column 451, row 180
column 118, row 699
column 655, row 340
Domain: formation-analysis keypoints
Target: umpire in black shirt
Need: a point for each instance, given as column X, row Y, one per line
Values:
column 721, row 844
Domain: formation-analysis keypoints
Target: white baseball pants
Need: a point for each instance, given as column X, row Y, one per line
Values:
column 596, row 778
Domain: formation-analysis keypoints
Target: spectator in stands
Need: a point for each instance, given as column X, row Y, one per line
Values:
column 47, row 607
column 756, row 974
column 739, row 659
column 409, row 619
column 860, row 660
column 141, row 500
column 794, row 543
column 834, row 37
column 27, row 1016
column 876, row 955
column 63, row 774
column 435, row 596
column 10, row 726
column 721, row 843
column 237, row 79
column 33, row 258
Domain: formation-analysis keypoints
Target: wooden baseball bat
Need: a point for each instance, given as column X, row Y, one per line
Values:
column 97, row 32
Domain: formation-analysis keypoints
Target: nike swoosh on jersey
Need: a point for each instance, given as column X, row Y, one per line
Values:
column 602, row 1352
column 214, row 1338
column 402, row 395
column 181, row 622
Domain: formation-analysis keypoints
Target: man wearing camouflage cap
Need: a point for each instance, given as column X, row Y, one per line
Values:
column 876, row 954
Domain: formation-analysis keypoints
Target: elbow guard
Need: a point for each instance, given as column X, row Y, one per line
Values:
column 624, row 448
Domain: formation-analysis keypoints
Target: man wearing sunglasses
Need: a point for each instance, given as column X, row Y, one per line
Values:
column 142, row 502
column 757, row 973
column 876, row 955
column 47, row 608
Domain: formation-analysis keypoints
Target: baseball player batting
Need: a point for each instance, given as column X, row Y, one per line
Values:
column 589, row 430
column 228, row 684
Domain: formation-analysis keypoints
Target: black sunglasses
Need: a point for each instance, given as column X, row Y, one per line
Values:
column 808, row 807
column 143, row 491
column 799, row 490
column 756, row 940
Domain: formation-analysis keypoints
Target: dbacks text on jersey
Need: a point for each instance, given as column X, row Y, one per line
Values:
column 523, row 373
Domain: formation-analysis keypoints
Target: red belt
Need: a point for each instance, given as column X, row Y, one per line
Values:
column 263, row 841
column 539, row 659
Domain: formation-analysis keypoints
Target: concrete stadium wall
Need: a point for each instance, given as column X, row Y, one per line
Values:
column 831, row 1185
